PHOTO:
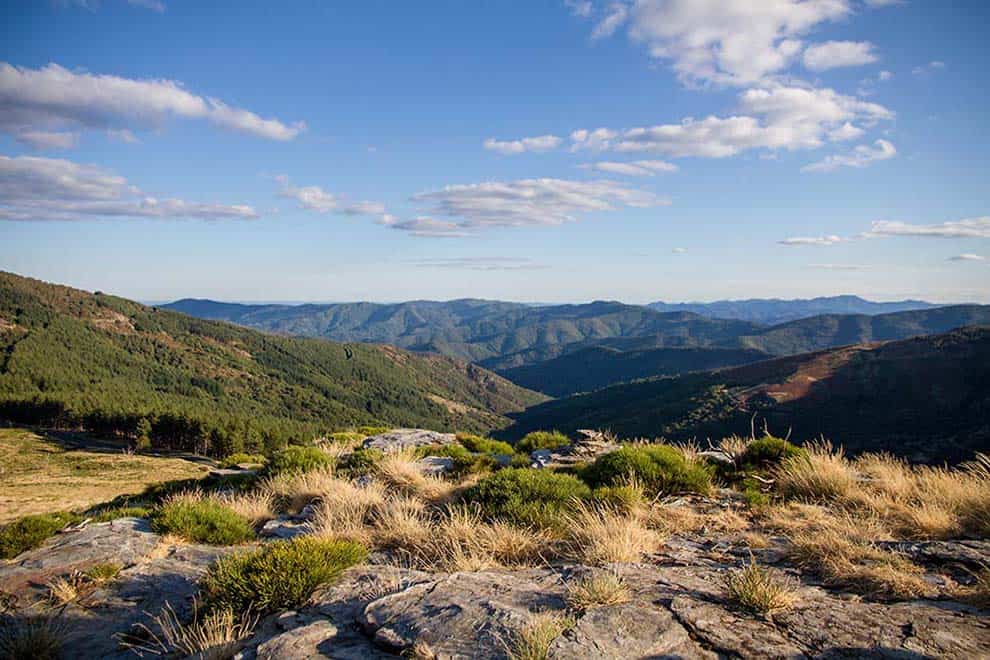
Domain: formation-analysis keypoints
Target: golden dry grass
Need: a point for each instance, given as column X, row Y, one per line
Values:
column 532, row 641
column 211, row 635
column 401, row 470
column 599, row 535
column 759, row 589
column 821, row 473
column 38, row 476
column 292, row 491
column 597, row 590
column 257, row 506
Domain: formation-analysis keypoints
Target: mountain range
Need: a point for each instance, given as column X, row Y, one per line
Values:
column 94, row 357
column 925, row 398
column 771, row 311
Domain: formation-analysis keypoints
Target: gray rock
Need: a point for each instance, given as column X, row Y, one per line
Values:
column 284, row 527
column 629, row 630
column 399, row 439
column 435, row 465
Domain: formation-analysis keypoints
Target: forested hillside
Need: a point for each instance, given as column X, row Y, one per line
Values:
column 73, row 359
column 927, row 398
column 772, row 311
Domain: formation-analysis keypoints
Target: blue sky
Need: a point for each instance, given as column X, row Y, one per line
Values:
column 535, row 151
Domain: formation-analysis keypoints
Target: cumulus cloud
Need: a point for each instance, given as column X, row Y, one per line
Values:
column 733, row 42
column 968, row 257
column 509, row 147
column 55, row 100
column 634, row 168
column 966, row 228
column 481, row 263
column 835, row 54
column 615, row 16
column 315, row 198
column 33, row 188
column 812, row 240
column 861, row 156
column 530, row 202
column 769, row 118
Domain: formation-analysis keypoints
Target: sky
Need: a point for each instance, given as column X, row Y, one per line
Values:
column 546, row 150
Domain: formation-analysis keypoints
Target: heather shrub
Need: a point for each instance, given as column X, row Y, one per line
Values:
column 361, row 461
column 298, row 459
column 526, row 496
column 481, row 445
column 31, row 531
column 768, row 451
column 201, row 520
column 280, row 576
column 659, row 469
column 542, row 440
column 241, row 458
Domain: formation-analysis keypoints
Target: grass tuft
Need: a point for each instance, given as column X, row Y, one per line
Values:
column 201, row 519
column 597, row 590
column 759, row 589
column 532, row 641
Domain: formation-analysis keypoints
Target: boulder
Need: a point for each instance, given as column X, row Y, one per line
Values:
column 399, row 439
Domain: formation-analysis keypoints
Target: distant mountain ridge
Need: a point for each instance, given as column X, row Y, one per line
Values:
column 926, row 398
column 772, row 311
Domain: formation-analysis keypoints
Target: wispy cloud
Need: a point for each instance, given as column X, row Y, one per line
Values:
column 315, row 198
column 39, row 105
column 839, row 266
column 966, row 228
column 812, row 240
column 968, row 257
column 34, row 188
column 481, row 263
column 510, row 147
column 934, row 65
column 835, row 54
column 862, row 156
column 633, row 168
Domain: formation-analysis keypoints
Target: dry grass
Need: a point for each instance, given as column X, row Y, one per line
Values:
column 257, row 506
column 215, row 635
column 759, row 590
column 62, row 590
column 401, row 470
column 532, row 641
column 292, row 491
column 37, row 475
column 346, row 510
column 978, row 593
column 33, row 636
column 597, row 590
column 401, row 522
column 820, row 474
column 735, row 447
column 599, row 535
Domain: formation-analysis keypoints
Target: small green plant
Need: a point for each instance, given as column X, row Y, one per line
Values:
column 527, row 496
column 624, row 498
column 102, row 572
column 201, row 520
column 31, row 637
column 31, row 531
column 542, row 440
column 115, row 512
column 280, row 576
column 298, row 459
column 758, row 589
column 768, row 451
column 240, row 458
column 481, row 445
column 660, row 469
column 211, row 635
column 465, row 462
column 361, row 461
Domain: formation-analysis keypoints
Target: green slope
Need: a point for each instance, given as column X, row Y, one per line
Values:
column 927, row 398
column 75, row 358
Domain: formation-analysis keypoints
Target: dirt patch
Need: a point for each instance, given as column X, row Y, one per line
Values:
column 114, row 322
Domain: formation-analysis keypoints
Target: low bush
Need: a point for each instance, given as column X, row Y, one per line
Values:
column 465, row 462
column 361, row 461
column 527, row 496
column 113, row 513
column 298, row 459
column 280, row 576
column 768, row 451
column 201, row 520
column 625, row 498
column 542, row 440
column 234, row 460
column 103, row 572
column 484, row 445
column 31, row 531
column 660, row 469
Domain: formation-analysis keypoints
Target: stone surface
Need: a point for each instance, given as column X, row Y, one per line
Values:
column 435, row 465
column 284, row 527
column 584, row 450
column 399, row 439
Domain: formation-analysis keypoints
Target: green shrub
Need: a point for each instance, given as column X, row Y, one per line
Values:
column 201, row 521
column 660, row 469
column 113, row 513
column 241, row 458
column 103, row 572
column 465, row 462
column 298, row 459
column 368, row 431
column 769, row 451
column 345, row 437
column 361, row 461
column 280, row 576
column 623, row 498
column 485, row 445
column 31, row 531
column 527, row 496
column 542, row 440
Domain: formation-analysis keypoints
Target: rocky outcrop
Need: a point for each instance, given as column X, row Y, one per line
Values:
column 590, row 446
column 399, row 439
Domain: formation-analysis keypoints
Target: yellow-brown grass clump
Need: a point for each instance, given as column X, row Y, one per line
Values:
column 597, row 590
column 598, row 535
column 759, row 589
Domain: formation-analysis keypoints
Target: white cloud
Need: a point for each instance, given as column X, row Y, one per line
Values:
column 539, row 143
column 967, row 228
column 845, row 132
column 634, row 168
column 839, row 266
column 315, row 198
column 885, row 75
column 861, row 156
column 679, row 250
column 48, row 139
column 968, row 257
column 934, row 65
column 34, row 188
column 834, row 54
column 735, row 42
column 153, row 5
column 615, row 16
column 812, row 240
column 582, row 8
column 427, row 227
column 481, row 263
column 770, row 118
column 531, row 201
column 54, row 99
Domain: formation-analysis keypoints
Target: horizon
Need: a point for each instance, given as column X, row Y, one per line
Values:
column 565, row 151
